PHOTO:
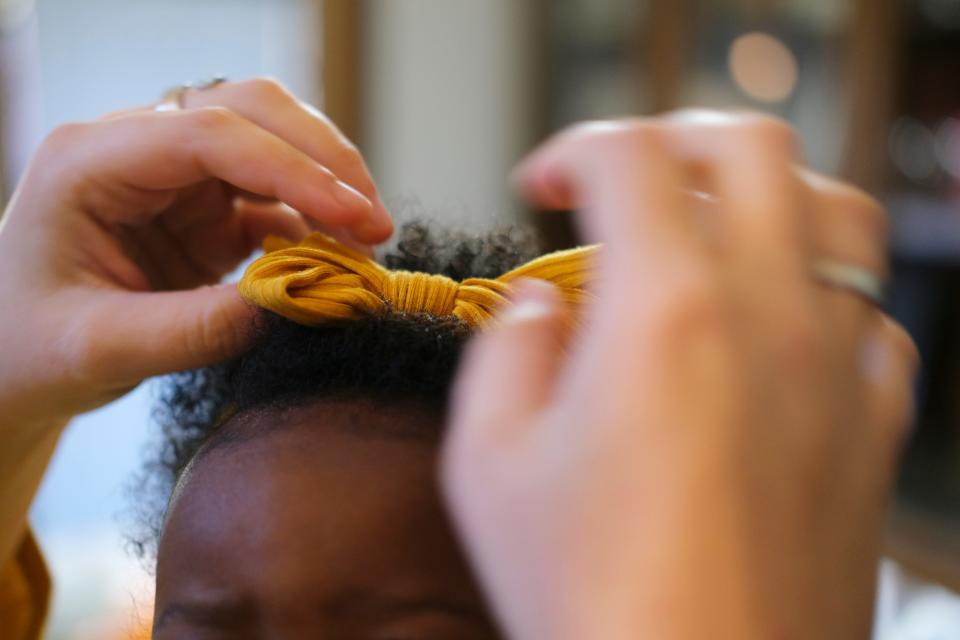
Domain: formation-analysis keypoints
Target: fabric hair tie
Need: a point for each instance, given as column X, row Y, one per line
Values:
column 320, row 280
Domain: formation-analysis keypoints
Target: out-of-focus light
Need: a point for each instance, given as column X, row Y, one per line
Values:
column 948, row 146
column 763, row 67
column 913, row 149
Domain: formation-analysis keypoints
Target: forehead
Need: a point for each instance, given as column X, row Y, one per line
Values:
column 297, row 508
column 330, row 450
column 343, row 464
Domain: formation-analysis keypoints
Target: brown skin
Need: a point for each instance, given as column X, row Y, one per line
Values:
column 321, row 521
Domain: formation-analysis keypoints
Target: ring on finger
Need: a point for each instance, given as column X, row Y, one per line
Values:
column 850, row 277
column 173, row 98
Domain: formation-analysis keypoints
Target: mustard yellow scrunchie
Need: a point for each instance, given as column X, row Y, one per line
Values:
column 320, row 280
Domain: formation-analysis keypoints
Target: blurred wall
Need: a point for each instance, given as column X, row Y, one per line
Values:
column 448, row 102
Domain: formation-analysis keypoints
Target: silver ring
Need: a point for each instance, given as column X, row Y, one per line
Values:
column 850, row 277
column 173, row 98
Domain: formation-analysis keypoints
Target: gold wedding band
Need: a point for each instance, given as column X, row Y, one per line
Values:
column 173, row 98
column 850, row 277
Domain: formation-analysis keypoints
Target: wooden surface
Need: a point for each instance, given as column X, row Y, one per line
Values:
column 667, row 51
column 870, row 69
column 342, row 65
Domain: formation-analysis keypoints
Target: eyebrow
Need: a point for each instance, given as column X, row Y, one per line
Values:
column 348, row 604
column 221, row 613
column 363, row 603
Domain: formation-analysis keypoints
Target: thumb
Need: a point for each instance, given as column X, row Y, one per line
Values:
column 509, row 371
column 131, row 336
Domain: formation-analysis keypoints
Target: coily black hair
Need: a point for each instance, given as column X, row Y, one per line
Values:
column 389, row 359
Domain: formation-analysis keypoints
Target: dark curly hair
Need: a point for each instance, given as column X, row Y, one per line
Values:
column 390, row 359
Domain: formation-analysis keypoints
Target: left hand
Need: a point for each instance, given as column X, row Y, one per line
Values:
column 121, row 228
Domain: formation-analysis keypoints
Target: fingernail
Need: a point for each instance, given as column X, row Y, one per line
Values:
column 375, row 228
column 383, row 216
column 532, row 300
column 370, row 232
column 350, row 198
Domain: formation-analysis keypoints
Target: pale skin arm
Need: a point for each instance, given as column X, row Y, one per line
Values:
column 712, row 455
column 116, row 237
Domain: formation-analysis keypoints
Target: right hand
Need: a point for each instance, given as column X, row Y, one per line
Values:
column 117, row 234
column 712, row 455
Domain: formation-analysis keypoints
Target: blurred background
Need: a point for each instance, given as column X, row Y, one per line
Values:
column 443, row 96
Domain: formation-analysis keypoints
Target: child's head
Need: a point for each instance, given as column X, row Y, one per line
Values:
column 297, row 482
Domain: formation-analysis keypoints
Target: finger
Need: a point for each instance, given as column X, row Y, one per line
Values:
column 165, row 262
column 259, row 220
column 156, row 333
column 268, row 104
column 509, row 371
column 889, row 364
column 204, row 252
column 629, row 183
column 205, row 236
column 849, row 227
column 220, row 245
column 161, row 152
column 848, row 224
column 262, row 219
column 748, row 161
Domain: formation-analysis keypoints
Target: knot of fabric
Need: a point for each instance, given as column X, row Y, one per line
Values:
column 320, row 280
column 415, row 292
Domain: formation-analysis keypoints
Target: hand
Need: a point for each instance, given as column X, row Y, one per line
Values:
column 118, row 233
column 711, row 456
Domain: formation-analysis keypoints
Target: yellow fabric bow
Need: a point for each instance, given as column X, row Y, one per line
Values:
column 320, row 280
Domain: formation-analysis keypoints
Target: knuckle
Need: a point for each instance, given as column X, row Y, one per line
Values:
column 216, row 334
column 267, row 89
column 624, row 139
column 630, row 130
column 211, row 120
column 769, row 131
column 56, row 160
column 64, row 137
column 84, row 353
column 743, row 126
column 584, row 129
column 642, row 132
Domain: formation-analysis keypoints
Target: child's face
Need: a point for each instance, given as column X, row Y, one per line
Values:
column 316, row 522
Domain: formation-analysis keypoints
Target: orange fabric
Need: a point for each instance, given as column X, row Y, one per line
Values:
column 319, row 280
column 24, row 593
